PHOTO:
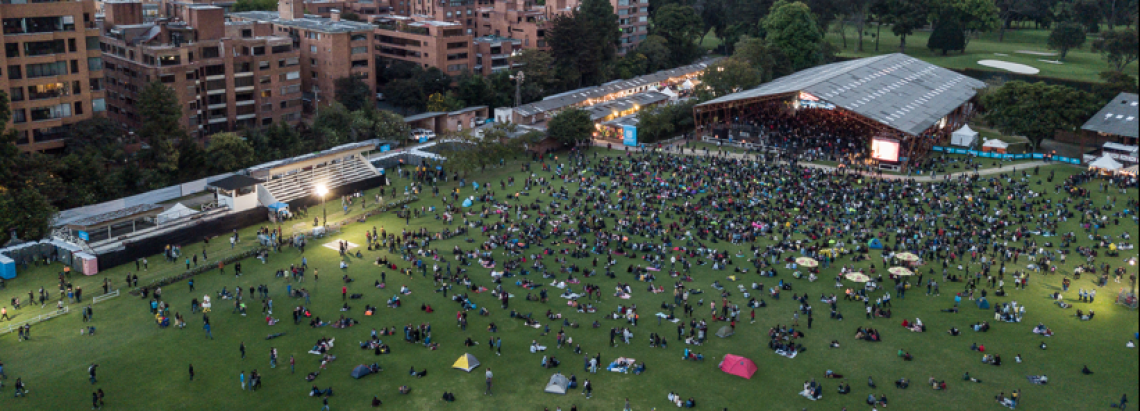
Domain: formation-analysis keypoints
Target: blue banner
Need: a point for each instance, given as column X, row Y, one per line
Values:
column 83, row 235
column 386, row 147
column 992, row 154
column 629, row 136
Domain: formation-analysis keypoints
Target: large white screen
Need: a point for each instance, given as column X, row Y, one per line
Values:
column 885, row 150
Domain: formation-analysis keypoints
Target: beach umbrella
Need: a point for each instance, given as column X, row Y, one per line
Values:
column 858, row 277
column 907, row 257
column 900, row 271
column 807, row 262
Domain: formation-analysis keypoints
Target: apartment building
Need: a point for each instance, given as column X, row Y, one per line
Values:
column 363, row 8
column 493, row 53
column 522, row 20
column 429, row 43
column 633, row 18
column 51, row 69
column 330, row 48
column 227, row 76
column 464, row 12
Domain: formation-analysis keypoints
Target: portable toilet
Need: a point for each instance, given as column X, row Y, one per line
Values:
column 89, row 265
column 7, row 267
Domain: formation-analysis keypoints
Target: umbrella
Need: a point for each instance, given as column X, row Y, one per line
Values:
column 858, row 277
column 807, row 262
column 900, row 271
column 907, row 257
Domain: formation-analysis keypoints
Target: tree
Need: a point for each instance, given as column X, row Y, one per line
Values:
column 791, row 27
column 353, row 93
column 229, row 152
column 192, row 160
column 350, row 16
column 539, row 80
column 378, row 124
column 23, row 208
column 1066, row 36
column 904, row 16
column 681, row 27
column 1113, row 83
column 255, row 5
column 474, row 90
column 433, row 80
column 656, row 51
column 585, row 41
column 654, row 124
column 99, row 135
column 764, row 56
column 401, row 70
column 947, row 35
column 161, row 114
column 969, row 16
column 1007, row 11
column 571, row 126
column 406, row 94
column 1119, row 47
column 728, row 76
column 632, row 65
column 1088, row 14
column 1037, row 110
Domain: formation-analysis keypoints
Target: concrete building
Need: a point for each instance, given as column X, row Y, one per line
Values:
column 330, row 48
column 52, row 69
column 493, row 53
column 227, row 76
column 633, row 18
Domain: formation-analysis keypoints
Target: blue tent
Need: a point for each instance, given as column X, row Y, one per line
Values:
column 875, row 244
column 278, row 206
column 7, row 268
column 983, row 304
column 467, row 203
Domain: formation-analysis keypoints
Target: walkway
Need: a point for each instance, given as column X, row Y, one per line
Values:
column 921, row 179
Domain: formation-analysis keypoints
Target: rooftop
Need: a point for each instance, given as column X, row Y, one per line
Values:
column 235, row 182
column 97, row 219
column 896, row 90
column 309, row 22
column 1118, row 117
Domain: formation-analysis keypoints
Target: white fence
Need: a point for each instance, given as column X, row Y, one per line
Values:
column 37, row 319
column 105, row 297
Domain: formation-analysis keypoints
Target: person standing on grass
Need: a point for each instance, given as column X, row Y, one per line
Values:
column 587, row 389
column 241, row 379
column 292, row 365
column 206, row 327
column 242, row 349
column 326, row 404
column 489, row 376
column 191, row 372
column 91, row 371
column 94, row 400
column 273, row 357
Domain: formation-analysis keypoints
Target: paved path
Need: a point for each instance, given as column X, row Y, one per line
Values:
column 922, row 178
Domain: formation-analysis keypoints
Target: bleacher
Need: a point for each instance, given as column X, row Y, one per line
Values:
column 300, row 183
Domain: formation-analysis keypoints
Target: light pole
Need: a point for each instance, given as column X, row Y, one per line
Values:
column 518, row 84
column 323, row 191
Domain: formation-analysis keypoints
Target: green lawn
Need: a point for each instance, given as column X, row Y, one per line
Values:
column 1081, row 64
column 145, row 368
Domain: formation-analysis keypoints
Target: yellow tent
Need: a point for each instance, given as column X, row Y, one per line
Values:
column 466, row 362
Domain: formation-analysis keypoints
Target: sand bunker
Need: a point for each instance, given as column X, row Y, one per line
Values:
column 1011, row 67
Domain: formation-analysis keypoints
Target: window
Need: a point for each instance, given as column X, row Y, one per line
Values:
column 16, row 94
column 170, row 60
column 210, row 52
column 58, row 68
column 293, row 75
column 267, row 121
column 247, row 33
column 96, row 84
column 457, row 67
column 98, row 105
column 92, row 43
column 291, row 61
column 266, row 93
column 51, row 112
column 71, row 45
column 94, row 63
column 78, row 108
column 18, row 116
column 259, row 50
column 263, row 65
column 215, row 70
column 284, row 48
column 359, row 63
column 296, row 88
column 243, row 81
column 312, row 49
column 166, row 78
column 12, row 49
column 265, row 79
column 42, row 48
column 359, row 50
column 358, row 37
column 38, row 24
column 315, row 74
column 46, row 91
column 457, row 56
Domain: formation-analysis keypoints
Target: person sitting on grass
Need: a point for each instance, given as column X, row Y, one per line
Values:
column 844, row 388
column 448, row 397
column 902, row 383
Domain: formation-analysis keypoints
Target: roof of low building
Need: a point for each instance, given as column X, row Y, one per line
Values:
column 309, row 22
column 1118, row 117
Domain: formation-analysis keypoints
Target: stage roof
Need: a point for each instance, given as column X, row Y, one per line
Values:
column 235, row 182
column 141, row 210
column 1117, row 117
column 897, row 90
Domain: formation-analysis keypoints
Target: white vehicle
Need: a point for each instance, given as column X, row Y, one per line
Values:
column 421, row 135
column 379, row 96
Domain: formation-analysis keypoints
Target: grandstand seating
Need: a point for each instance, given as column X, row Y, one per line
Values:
column 333, row 175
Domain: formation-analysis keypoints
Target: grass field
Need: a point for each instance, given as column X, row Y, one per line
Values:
column 143, row 367
column 1080, row 64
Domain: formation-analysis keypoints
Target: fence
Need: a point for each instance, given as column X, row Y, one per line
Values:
column 990, row 154
column 37, row 319
column 105, row 297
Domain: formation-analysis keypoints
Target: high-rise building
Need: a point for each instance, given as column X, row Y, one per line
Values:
column 228, row 76
column 330, row 48
column 51, row 69
column 633, row 18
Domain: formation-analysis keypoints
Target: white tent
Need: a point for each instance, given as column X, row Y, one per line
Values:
column 964, row 137
column 995, row 145
column 558, row 384
column 687, row 85
column 669, row 92
column 175, row 212
column 1105, row 163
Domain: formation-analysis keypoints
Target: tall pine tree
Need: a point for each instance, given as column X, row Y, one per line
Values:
column 161, row 115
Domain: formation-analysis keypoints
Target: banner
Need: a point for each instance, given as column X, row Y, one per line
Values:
column 629, row 136
column 992, row 154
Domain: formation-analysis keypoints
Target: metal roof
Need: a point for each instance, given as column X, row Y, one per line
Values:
column 117, row 214
column 1118, row 117
column 235, row 182
column 570, row 98
column 424, row 115
column 309, row 22
column 897, row 90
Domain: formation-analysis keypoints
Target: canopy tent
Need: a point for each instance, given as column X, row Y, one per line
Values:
column 558, row 384
column 738, row 366
column 669, row 92
column 725, row 332
column 995, row 145
column 687, row 85
column 361, row 371
column 1106, row 163
column 278, row 207
column 175, row 212
column 1132, row 170
column 964, row 137
column 466, row 362
column 875, row 244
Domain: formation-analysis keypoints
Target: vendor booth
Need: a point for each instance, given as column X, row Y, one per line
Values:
column 995, row 146
column 964, row 137
column 1105, row 164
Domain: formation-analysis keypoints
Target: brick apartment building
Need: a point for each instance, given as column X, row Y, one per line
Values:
column 429, row 43
column 330, row 48
column 51, row 69
column 227, row 76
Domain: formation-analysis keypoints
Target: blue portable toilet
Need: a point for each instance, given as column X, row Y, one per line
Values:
column 7, row 267
column 875, row 244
